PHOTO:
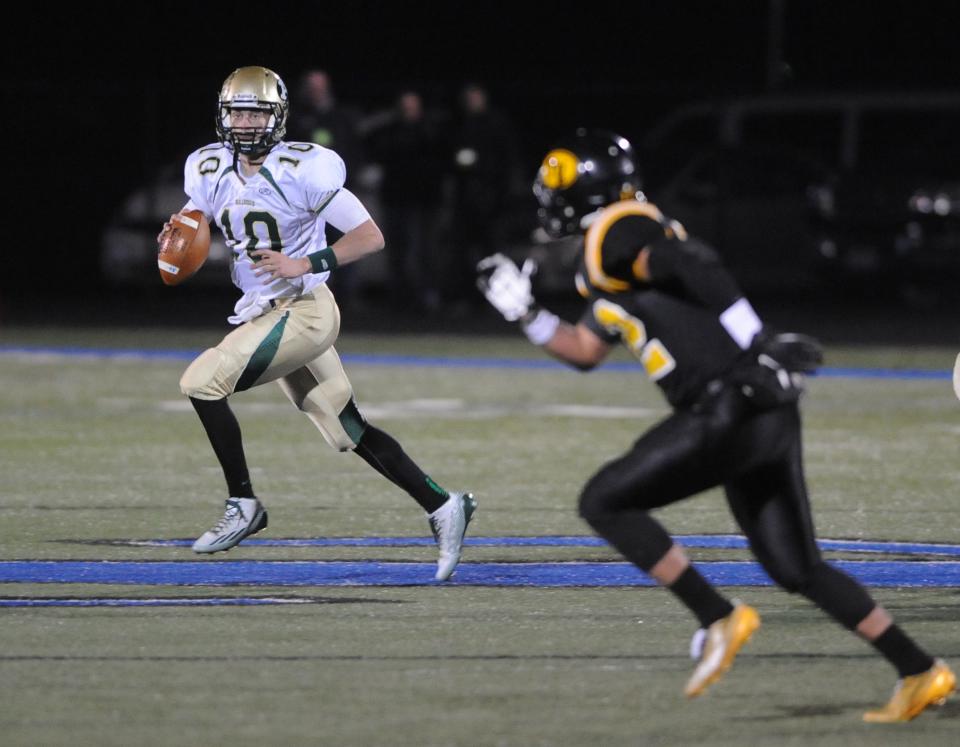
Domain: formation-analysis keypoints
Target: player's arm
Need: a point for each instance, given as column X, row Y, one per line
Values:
column 641, row 248
column 697, row 271
column 508, row 289
column 577, row 345
column 361, row 236
column 358, row 242
column 696, row 268
column 692, row 265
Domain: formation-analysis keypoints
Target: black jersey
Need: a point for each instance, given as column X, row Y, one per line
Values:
column 666, row 310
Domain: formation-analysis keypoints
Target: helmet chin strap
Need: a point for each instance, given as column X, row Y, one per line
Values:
column 252, row 160
column 255, row 158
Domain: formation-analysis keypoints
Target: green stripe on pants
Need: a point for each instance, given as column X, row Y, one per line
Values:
column 352, row 421
column 262, row 356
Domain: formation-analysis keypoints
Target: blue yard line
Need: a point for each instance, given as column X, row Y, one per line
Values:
column 170, row 602
column 720, row 541
column 361, row 573
column 443, row 361
column 841, row 372
column 432, row 361
column 907, row 548
column 72, row 351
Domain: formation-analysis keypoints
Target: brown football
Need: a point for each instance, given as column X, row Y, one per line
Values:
column 183, row 247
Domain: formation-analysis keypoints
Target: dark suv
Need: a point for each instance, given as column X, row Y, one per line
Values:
column 818, row 192
column 889, row 220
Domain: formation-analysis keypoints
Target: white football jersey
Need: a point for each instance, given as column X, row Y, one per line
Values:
column 280, row 208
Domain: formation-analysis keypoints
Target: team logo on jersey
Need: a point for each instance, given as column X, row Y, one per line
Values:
column 559, row 169
column 265, row 191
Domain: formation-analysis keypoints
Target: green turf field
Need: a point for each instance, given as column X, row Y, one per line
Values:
column 97, row 451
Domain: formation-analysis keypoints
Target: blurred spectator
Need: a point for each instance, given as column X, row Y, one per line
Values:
column 406, row 142
column 317, row 117
column 484, row 168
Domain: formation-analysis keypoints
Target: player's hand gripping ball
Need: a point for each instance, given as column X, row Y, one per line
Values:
column 184, row 245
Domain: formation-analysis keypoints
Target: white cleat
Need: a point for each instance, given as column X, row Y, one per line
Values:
column 448, row 524
column 243, row 517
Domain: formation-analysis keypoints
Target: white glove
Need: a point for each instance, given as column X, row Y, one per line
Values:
column 506, row 286
column 956, row 377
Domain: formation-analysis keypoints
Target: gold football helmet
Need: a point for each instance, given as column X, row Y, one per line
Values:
column 253, row 87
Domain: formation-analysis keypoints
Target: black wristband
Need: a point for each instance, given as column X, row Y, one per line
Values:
column 323, row 261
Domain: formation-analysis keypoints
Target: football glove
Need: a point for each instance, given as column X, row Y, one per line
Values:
column 794, row 352
column 507, row 287
column 776, row 375
column 956, row 377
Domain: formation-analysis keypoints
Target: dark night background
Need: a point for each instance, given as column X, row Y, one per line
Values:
column 101, row 96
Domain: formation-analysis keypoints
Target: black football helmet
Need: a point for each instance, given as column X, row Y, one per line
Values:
column 582, row 174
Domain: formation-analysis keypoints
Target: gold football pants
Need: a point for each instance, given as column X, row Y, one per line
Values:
column 291, row 344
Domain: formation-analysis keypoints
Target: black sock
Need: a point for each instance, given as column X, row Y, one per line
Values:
column 382, row 452
column 223, row 430
column 900, row 650
column 700, row 597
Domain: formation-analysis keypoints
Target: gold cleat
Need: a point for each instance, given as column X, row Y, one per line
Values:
column 722, row 641
column 915, row 694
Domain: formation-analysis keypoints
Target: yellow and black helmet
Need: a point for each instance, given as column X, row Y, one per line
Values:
column 253, row 87
column 582, row 174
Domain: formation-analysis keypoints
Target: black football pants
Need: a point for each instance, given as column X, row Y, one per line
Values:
column 756, row 455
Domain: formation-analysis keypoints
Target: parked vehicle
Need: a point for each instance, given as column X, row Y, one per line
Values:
column 889, row 221
column 818, row 192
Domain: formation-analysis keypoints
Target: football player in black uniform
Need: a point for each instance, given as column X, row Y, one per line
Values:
column 734, row 387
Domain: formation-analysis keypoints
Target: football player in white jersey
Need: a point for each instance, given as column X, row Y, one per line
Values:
column 272, row 200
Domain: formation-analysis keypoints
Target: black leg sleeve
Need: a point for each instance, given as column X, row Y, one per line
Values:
column 771, row 505
column 849, row 603
column 643, row 541
column 837, row 594
column 223, row 430
column 382, row 452
column 636, row 535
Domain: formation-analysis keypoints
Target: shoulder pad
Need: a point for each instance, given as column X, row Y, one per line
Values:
column 301, row 151
column 210, row 159
column 614, row 240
